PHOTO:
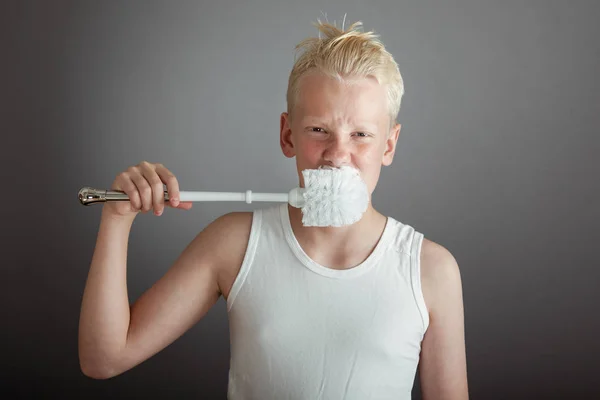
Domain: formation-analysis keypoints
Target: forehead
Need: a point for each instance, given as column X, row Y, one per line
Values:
column 324, row 96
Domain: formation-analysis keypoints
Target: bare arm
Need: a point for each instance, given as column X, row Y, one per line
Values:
column 442, row 369
column 104, row 316
column 114, row 336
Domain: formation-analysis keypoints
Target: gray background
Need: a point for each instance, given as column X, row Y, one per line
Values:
column 497, row 161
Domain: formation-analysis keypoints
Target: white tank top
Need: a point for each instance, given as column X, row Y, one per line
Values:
column 302, row 331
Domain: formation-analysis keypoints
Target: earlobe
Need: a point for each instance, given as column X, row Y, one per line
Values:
column 285, row 136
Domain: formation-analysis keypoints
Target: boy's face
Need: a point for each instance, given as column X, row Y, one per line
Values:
column 340, row 123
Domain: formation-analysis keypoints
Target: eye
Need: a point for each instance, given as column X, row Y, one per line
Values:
column 316, row 129
column 361, row 134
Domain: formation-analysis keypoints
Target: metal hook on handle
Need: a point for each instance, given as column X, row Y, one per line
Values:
column 88, row 196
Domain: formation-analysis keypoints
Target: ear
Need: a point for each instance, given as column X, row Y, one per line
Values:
column 285, row 136
column 390, row 145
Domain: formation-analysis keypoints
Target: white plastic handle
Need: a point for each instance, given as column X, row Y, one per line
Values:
column 294, row 197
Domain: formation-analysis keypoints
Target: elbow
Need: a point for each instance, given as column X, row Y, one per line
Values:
column 97, row 369
column 98, row 361
column 96, row 373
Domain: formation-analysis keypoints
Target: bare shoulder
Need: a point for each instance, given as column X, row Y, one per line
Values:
column 439, row 272
column 434, row 254
column 228, row 229
column 226, row 239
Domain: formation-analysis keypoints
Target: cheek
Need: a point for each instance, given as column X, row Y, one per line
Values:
column 310, row 150
column 369, row 154
column 369, row 162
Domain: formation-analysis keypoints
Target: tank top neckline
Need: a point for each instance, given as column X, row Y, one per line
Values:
column 309, row 263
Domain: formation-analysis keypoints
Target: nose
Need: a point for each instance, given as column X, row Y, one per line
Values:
column 337, row 152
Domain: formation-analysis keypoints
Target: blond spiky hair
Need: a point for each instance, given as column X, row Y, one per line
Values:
column 347, row 54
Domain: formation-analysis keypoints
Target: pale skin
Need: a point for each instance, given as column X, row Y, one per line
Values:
column 333, row 123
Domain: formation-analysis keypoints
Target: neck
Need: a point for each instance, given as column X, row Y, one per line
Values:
column 372, row 222
column 339, row 247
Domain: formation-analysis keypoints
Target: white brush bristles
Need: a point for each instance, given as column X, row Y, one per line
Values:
column 334, row 197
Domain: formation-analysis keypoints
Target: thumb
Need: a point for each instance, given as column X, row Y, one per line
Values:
column 184, row 205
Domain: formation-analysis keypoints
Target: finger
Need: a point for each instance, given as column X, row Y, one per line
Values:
column 172, row 184
column 144, row 190
column 125, row 184
column 184, row 205
column 157, row 186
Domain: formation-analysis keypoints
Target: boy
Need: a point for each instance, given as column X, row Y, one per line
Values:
column 315, row 312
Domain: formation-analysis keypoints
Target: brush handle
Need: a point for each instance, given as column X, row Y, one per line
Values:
column 88, row 196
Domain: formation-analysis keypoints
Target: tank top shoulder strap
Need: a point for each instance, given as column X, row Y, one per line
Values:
column 408, row 242
column 257, row 222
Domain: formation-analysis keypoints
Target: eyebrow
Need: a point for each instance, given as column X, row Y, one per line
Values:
column 321, row 121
